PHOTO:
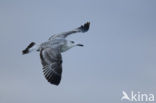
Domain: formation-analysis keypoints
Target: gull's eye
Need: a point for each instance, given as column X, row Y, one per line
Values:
column 72, row 42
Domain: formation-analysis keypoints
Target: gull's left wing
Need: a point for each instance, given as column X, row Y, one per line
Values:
column 82, row 28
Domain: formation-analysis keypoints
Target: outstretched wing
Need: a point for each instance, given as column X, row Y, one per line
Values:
column 51, row 60
column 82, row 28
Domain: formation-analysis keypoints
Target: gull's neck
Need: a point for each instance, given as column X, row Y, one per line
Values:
column 67, row 46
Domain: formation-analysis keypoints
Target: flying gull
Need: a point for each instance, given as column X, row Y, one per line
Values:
column 50, row 52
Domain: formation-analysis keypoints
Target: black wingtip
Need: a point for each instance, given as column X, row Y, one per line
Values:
column 85, row 27
column 31, row 45
column 55, row 80
column 26, row 51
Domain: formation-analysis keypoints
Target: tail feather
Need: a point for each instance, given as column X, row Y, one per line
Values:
column 26, row 50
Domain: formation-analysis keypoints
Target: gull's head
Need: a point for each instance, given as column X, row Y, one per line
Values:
column 73, row 44
column 69, row 45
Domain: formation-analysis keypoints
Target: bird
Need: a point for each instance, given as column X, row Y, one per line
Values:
column 50, row 52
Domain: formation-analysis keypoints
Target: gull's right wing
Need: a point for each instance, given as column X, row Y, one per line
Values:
column 51, row 60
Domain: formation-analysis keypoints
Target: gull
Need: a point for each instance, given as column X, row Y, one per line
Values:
column 50, row 52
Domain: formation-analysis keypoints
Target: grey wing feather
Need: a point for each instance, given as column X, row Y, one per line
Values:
column 82, row 28
column 51, row 60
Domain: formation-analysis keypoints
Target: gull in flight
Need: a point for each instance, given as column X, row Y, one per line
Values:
column 50, row 52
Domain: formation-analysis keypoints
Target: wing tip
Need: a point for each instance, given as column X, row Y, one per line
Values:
column 85, row 27
column 26, row 50
column 55, row 80
column 52, row 78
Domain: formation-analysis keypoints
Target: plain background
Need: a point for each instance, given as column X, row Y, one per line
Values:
column 119, row 50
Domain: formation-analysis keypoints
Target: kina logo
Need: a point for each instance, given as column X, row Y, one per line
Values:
column 137, row 96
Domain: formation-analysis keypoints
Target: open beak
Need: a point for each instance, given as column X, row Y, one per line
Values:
column 80, row 45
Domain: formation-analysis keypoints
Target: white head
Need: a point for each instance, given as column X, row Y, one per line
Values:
column 73, row 44
column 69, row 45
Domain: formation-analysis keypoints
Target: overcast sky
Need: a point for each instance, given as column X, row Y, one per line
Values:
column 119, row 50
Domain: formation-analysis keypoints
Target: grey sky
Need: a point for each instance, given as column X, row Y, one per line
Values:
column 119, row 50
